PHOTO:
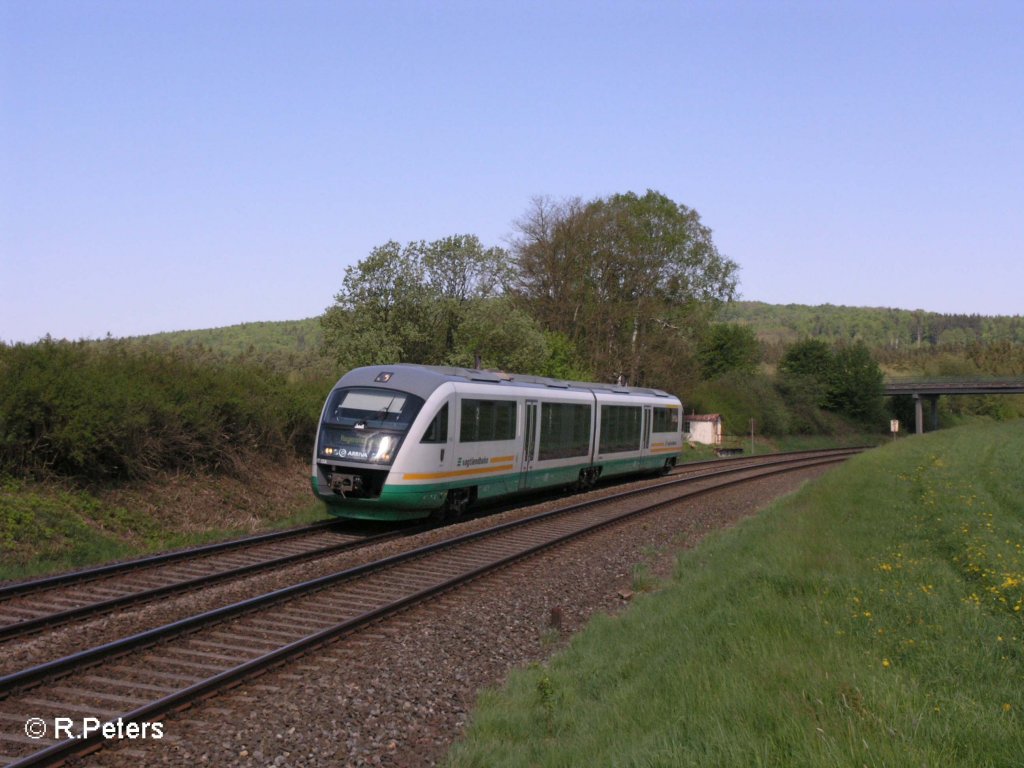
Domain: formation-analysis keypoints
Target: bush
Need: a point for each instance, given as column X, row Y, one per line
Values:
column 739, row 397
column 727, row 347
column 101, row 411
column 802, row 396
column 845, row 380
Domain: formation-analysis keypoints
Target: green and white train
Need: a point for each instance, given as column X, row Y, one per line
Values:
column 399, row 442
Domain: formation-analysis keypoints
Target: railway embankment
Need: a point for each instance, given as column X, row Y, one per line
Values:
column 108, row 449
column 53, row 525
column 874, row 618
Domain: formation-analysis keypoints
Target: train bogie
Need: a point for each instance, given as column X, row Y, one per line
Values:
column 405, row 441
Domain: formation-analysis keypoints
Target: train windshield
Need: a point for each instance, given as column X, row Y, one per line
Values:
column 365, row 424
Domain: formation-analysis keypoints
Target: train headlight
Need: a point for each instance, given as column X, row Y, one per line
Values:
column 383, row 450
column 328, row 451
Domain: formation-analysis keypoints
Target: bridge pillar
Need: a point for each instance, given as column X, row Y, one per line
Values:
column 919, row 412
column 934, row 400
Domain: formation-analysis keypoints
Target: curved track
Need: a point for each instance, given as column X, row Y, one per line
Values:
column 42, row 604
column 138, row 678
column 33, row 606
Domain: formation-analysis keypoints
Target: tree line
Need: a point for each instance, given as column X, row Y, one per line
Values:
column 111, row 411
column 627, row 287
column 617, row 287
column 893, row 331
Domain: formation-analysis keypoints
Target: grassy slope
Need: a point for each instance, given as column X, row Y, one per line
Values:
column 285, row 335
column 874, row 618
column 876, row 326
column 46, row 529
column 785, row 323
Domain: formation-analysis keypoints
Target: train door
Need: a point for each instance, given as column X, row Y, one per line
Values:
column 648, row 420
column 439, row 440
column 530, row 431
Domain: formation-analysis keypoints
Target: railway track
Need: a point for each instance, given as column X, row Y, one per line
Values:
column 42, row 604
column 136, row 679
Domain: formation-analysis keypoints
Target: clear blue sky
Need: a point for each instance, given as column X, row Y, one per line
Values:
column 178, row 164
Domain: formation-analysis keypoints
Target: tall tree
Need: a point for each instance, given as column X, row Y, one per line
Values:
column 629, row 278
column 855, row 386
column 459, row 271
column 407, row 303
column 728, row 347
column 377, row 314
column 501, row 336
column 846, row 380
column 552, row 255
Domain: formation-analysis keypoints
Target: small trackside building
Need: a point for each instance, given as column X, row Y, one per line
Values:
column 703, row 428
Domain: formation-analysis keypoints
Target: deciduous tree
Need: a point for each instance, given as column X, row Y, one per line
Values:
column 629, row 278
column 728, row 347
column 855, row 385
column 378, row 314
column 845, row 380
column 408, row 303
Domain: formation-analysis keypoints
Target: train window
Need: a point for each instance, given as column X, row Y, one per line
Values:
column 372, row 409
column 620, row 428
column 666, row 419
column 564, row 430
column 437, row 432
column 484, row 420
column 367, row 425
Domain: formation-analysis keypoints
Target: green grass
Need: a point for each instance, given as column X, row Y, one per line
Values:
column 874, row 618
column 39, row 532
column 762, row 445
column 46, row 530
column 821, row 442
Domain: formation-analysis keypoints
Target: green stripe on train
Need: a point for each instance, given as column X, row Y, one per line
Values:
column 409, row 502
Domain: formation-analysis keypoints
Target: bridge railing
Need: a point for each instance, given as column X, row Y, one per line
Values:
column 900, row 380
column 1006, row 385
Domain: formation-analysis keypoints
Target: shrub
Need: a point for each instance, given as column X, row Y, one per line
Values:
column 740, row 397
column 104, row 411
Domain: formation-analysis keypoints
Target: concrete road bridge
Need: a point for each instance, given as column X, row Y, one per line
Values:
column 932, row 389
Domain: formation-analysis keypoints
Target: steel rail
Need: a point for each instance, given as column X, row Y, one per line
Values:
column 39, row 672
column 21, row 588
column 59, row 618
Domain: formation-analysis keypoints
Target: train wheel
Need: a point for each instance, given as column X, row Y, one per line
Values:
column 588, row 479
column 438, row 515
column 457, row 503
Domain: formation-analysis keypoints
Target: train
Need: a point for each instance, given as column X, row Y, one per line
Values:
column 402, row 442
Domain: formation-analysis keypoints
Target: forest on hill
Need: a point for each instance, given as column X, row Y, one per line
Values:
column 298, row 344
column 129, row 408
column 289, row 347
column 879, row 328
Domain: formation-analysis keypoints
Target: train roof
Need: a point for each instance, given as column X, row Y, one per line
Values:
column 422, row 380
